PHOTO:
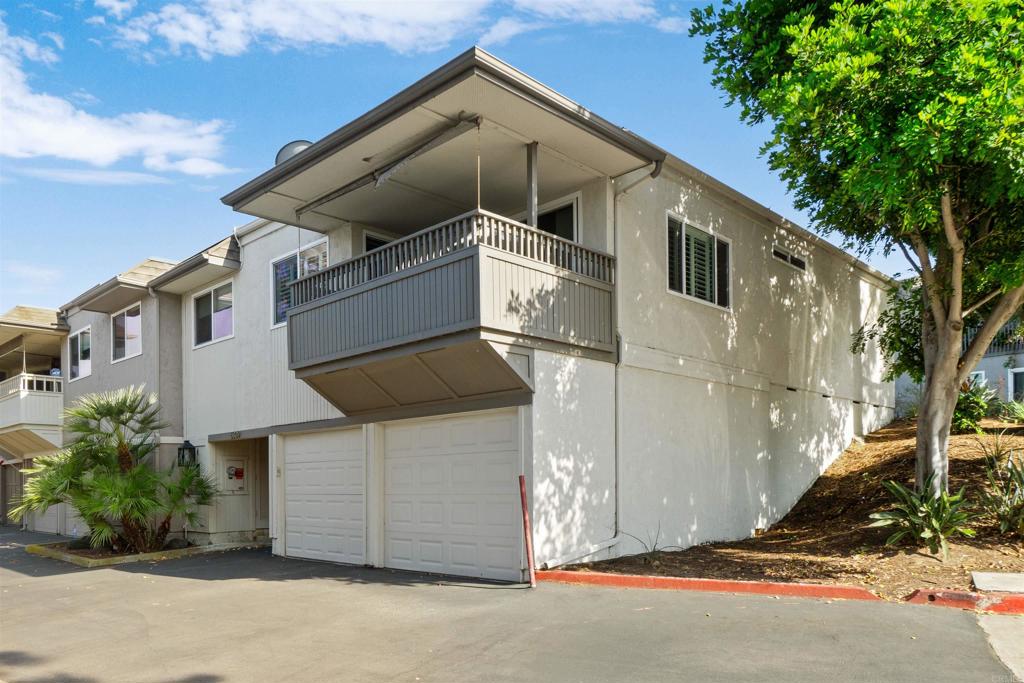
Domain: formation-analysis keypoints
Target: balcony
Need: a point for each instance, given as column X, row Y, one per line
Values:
column 31, row 410
column 416, row 320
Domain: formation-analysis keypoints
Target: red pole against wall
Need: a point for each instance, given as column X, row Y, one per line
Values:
column 526, row 532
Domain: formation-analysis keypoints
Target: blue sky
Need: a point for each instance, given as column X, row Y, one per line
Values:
column 123, row 123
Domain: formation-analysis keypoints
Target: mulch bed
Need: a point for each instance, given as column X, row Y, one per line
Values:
column 825, row 538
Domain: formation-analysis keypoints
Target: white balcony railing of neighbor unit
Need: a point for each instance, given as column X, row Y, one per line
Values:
column 477, row 227
column 13, row 386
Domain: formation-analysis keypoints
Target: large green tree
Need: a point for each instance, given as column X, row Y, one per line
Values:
column 899, row 125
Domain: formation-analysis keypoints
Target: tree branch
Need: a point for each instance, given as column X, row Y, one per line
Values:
column 981, row 302
column 954, row 312
column 910, row 259
column 931, row 290
column 1008, row 305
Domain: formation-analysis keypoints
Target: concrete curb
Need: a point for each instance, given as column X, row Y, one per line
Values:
column 48, row 550
column 1000, row 603
column 797, row 590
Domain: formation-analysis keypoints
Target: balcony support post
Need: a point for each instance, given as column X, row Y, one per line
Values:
column 531, row 184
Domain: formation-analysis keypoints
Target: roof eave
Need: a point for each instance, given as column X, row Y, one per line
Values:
column 469, row 62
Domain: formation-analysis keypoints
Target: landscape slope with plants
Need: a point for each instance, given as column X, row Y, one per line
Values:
column 828, row 536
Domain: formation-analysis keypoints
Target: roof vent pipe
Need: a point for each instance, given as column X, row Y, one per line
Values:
column 290, row 150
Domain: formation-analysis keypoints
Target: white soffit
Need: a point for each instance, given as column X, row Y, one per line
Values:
column 570, row 156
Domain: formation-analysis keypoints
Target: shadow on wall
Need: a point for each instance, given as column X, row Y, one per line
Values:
column 762, row 398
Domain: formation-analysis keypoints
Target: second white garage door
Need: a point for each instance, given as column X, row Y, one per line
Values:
column 451, row 495
column 324, row 509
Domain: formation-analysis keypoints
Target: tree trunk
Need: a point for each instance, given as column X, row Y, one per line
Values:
column 124, row 458
column 161, row 533
column 942, row 347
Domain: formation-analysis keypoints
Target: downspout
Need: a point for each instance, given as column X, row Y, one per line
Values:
column 614, row 540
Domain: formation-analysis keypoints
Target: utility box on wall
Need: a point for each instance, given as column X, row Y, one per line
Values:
column 234, row 475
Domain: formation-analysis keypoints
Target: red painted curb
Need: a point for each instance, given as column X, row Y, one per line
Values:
column 798, row 590
column 1002, row 603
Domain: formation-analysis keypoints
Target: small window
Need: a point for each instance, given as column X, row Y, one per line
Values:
column 300, row 263
column 213, row 315
column 560, row 222
column 698, row 264
column 977, row 377
column 789, row 257
column 80, row 354
column 371, row 242
column 126, row 333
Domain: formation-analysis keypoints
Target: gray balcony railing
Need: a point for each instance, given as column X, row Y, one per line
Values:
column 1009, row 339
column 477, row 227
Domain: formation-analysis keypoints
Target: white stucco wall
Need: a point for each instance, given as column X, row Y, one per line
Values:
column 727, row 416
column 573, row 454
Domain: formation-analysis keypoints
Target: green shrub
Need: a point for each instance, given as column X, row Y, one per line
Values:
column 928, row 519
column 1004, row 498
column 971, row 407
column 1011, row 411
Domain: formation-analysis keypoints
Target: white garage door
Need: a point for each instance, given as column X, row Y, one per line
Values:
column 451, row 496
column 324, row 511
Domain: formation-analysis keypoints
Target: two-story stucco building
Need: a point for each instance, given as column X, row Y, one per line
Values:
column 479, row 279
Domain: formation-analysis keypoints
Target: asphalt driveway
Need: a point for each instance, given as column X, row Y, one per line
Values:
column 250, row 616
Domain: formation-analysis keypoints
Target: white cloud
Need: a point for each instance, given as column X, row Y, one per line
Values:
column 230, row 27
column 31, row 276
column 39, row 125
column 93, row 176
column 96, row 20
column 673, row 24
column 118, row 9
column 590, row 11
column 84, row 98
column 507, row 28
column 57, row 39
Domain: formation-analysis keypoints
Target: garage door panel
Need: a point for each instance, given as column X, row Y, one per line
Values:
column 451, row 496
column 324, row 503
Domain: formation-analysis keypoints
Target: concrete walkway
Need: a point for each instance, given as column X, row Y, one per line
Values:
column 250, row 616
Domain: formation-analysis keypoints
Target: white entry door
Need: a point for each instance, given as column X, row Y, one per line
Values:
column 324, row 509
column 451, row 495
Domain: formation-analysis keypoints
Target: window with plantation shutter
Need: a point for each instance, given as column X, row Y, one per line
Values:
column 698, row 264
column 300, row 263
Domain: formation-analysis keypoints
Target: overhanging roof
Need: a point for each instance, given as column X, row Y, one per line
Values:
column 474, row 85
column 121, row 290
column 216, row 262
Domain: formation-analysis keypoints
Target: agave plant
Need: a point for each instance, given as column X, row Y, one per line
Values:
column 107, row 477
column 1004, row 495
column 929, row 519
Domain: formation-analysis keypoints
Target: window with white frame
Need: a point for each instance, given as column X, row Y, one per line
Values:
column 372, row 241
column 698, row 263
column 977, row 377
column 213, row 314
column 299, row 263
column 126, row 333
column 80, row 354
column 786, row 256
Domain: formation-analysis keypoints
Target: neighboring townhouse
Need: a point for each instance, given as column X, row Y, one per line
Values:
column 31, row 404
column 492, row 281
column 123, row 333
column 1002, row 366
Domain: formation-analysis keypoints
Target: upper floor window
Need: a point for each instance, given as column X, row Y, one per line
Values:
column 698, row 263
column 299, row 263
column 786, row 256
column 126, row 333
column 213, row 314
column 371, row 241
column 80, row 354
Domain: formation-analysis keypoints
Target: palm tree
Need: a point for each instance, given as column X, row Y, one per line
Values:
column 106, row 474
